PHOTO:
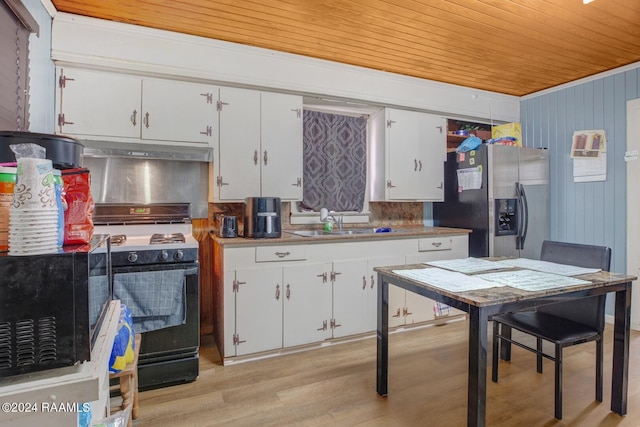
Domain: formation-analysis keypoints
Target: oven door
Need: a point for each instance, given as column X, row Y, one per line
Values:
column 175, row 341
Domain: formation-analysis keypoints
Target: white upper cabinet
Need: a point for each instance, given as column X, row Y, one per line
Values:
column 237, row 162
column 260, row 149
column 410, row 147
column 179, row 111
column 95, row 103
column 281, row 144
column 125, row 108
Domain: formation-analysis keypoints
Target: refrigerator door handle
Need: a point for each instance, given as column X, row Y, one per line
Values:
column 522, row 197
column 520, row 217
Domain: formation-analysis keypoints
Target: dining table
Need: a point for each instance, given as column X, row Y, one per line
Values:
column 462, row 287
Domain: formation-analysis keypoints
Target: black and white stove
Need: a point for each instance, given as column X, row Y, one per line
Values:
column 151, row 242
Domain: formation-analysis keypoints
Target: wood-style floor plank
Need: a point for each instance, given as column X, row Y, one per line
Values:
column 335, row 386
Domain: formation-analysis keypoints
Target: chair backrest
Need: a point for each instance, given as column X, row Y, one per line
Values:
column 588, row 311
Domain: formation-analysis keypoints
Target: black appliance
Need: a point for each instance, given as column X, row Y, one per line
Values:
column 150, row 241
column 502, row 194
column 228, row 226
column 64, row 152
column 262, row 217
column 52, row 306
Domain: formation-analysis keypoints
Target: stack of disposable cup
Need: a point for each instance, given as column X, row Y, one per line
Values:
column 33, row 222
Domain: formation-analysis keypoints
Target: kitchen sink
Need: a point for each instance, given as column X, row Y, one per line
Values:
column 338, row 232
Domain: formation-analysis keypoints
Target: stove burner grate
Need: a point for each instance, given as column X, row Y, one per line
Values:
column 118, row 240
column 158, row 239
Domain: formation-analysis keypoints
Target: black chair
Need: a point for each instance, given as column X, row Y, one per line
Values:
column 563, row 324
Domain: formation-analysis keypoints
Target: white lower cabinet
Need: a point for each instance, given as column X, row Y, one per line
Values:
column 349, row 298
column 309, row 293
column 307, row 296
column 372, row 293
column 253, row 310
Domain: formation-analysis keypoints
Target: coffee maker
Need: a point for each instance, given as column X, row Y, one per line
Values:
column 262, row 217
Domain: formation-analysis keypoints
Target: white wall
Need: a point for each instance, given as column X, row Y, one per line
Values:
column 98, row 43
column 41, row 72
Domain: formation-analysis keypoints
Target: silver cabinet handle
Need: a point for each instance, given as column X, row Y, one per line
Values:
column 277, row 292
column 415, row 164
column 134, row 116
column 324, row 326
column 419, row 165
column 208, row 96
column 297, row 111
column 62, row 121
column 146, row 120
column 288, row 291
column 364, row 283
column 397, row 313
column 324, row 277
column 298, row 183
column 389, row 185
column 436, row 244
column 373, row 282
column 282, row 254
column 207, row 131
column 264, row 157
column 255, row 157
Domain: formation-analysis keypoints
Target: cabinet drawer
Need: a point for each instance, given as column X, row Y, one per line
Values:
column 280, row 253
column 435, row 244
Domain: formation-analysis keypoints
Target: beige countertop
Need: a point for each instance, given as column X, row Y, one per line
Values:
column 398, row 232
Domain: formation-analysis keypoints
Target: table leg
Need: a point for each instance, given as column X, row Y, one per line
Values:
column 621, row 336
column 477, row 385
column 383, row 336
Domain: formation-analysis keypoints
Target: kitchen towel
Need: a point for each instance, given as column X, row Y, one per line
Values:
column 156, row 299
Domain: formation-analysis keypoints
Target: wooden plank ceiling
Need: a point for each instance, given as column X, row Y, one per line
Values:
column 514, row 47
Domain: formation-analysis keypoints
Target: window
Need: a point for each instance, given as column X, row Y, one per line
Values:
column 335, row 162
column 15, row 26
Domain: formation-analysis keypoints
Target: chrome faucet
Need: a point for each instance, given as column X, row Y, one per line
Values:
column 328, row 216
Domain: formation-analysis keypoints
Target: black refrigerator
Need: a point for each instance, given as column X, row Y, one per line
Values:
column 501, row 193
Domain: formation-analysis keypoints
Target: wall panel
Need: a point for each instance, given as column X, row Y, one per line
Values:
column 592, row 212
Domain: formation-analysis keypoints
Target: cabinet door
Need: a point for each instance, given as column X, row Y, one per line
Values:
column 179, row 111
column 258, row 306
column 372, row 289
column 431, row 249
column 350, row 298
column 238, row 161
column 97, row 103
column 281, row 145
column 416, row 151
column 397, row 306
column 307, row 304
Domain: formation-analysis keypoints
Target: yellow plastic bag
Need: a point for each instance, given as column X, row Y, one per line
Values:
column 513, row 130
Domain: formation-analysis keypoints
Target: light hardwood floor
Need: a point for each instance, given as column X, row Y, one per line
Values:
column 335, row 386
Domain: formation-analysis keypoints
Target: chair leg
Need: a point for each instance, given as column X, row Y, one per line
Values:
column 539, row 355
column 505, row 346
column 494, row 358
column 558, row 390
column 599, row 351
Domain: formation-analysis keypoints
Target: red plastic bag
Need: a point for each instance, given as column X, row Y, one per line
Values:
column 78, row 218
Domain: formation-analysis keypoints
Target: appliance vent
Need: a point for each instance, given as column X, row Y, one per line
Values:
column 25, row 342
column 47, row 348
column 6, row 347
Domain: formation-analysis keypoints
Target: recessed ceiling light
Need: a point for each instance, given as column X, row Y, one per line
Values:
column 586, row 1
